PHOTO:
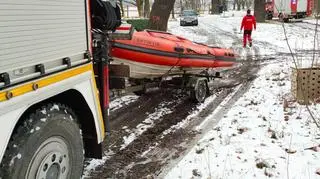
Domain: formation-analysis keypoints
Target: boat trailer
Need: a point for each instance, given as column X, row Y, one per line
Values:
column 195, row 85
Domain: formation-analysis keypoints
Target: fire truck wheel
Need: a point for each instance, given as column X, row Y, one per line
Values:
column 47, row 144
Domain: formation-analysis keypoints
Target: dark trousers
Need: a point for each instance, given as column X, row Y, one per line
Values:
column 247, row 35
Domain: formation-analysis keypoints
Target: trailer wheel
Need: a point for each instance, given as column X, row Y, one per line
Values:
column 48, row 144
column 200, row 91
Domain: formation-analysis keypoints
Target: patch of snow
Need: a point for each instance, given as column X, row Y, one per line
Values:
column 71, row 117
column 120, row 102
column 32, row 131
column 254, row 139
column 127, row 140
column 147, row 151
column 94, row 163
column 43, row 119
column 54, row 107
column 37, row 128
column 184, row 122
column 18, row 156
column 44, row 111
column 149, row 122
column 222, row 104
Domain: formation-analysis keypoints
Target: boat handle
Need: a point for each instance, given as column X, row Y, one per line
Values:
column 179, row 49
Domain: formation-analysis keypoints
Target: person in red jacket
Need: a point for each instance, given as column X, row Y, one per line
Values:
column 248, row 22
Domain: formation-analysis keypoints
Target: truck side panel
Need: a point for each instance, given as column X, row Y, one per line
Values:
column 282, row 6
column 80, row 78
column 33, row 32
column 302, row 5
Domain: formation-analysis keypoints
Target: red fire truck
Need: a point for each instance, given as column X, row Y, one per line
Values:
column 288, row 9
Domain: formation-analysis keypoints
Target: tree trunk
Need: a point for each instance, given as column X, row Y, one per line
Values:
column 173, row 13
column 121, row 7
column 160, row 14
column 238, row 5
column 316, row 9
column 146, row 12
column 214, row 6
column 259, row 11
column 234, row 5
column 193, row 5
column 243, row 3
column 139, row 4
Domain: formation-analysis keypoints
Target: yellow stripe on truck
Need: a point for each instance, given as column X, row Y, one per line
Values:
column 46, row 81
column 99, row 105
column 29, row 87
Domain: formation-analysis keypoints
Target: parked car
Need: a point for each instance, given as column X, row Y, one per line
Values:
column 189, row 17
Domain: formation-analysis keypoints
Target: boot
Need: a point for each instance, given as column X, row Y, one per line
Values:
column 250, row 44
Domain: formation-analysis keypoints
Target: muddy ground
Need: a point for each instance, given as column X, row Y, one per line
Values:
column 148, row 154
column 153, row 152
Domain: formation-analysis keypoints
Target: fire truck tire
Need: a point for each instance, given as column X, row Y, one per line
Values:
column 47, row 144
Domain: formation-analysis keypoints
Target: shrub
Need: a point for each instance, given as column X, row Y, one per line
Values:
column 139, row 24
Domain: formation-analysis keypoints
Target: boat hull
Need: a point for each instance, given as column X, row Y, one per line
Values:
column 141, row 70
column 155, row 54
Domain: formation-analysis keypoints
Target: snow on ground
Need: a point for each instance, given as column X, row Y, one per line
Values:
column 120, row 102
column 268, row 37
column 114, row 105
column 262, row 135
column 149, row 122
column 258, row 137
column 94, row 163
column 257, row 132
column 311, row 21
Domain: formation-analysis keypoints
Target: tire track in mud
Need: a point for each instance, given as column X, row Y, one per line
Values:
column 116, row 166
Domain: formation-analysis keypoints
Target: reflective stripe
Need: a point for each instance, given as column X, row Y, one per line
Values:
column 52, row 79
column 43, row 82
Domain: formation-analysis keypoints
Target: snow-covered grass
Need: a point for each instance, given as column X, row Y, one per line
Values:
column 258, row 137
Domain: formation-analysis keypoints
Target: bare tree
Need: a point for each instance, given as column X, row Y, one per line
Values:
column 238, row 2
column 243, row 4
column 259, row 10
column 193, row 4
column 139, row 4
column 249, row 4
column 146, row 12
column 160, row 13
column 214, row 6
column 121, row 7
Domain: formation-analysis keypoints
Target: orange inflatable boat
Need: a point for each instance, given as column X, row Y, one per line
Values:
column 152, row 53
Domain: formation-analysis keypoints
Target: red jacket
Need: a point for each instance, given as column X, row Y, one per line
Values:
column 248, row 21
